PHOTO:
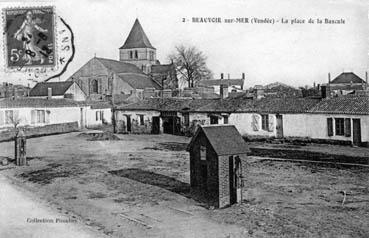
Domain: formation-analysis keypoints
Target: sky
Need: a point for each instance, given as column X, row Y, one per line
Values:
column 294, row 54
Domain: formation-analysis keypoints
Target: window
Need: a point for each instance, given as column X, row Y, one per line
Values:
column 136, row 54
column 265, row 122
column 97, row 115
column 151, row 55
column 347, row 127
column 95, row 86
column 40, row 116
column 2, row 118
column 340, row 126
column 225, row 119
column 202, row 152
column 9, row 115
column 330, row 126
column 131, row 54
column 186, row 118
column 142, row 122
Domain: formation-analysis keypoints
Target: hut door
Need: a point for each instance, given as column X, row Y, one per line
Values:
column 279, row 126
column 155, row 125
column 128, row 123
column 234, row 179
column 356, row 132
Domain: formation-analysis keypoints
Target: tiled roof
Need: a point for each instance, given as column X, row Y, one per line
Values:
column 37, row 102
column 167, row 104
column 137, row 38
column 347, row 78
column 279, row 105
column 98, row 104
column 139, row 81
column 264, row 105
column 161, row 68
column 215, row 82
column 343, row 105
column 58, row 88
column 119, row 66
column 225, row 139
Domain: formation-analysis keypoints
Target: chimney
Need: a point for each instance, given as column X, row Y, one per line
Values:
column 223, row 91
column 228, row 76
column 49, row 93
column 221, row 75
column 329, row 78
column 243, row 75
column 314, row 85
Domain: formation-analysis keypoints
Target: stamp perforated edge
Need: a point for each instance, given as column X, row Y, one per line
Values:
column 15, row 69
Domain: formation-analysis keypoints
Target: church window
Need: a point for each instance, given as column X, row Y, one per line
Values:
column 95, row 86
column 136, row 54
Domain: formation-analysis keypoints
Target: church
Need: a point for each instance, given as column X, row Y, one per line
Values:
column 136, row 71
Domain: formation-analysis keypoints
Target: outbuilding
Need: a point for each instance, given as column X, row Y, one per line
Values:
column 216, row 155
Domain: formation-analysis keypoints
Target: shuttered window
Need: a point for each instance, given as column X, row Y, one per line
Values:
column 33, row 116
column 2, row 118
column 330, row 126
column 347, row 127
column 340, row 126
column 8, row 117
column 265, row 122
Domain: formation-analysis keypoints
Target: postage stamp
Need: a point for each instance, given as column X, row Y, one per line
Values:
column 29, row 37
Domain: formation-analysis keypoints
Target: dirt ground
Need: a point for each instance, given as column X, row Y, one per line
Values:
column 138, row 186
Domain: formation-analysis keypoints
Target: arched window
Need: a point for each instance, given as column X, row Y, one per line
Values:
column 95, row 86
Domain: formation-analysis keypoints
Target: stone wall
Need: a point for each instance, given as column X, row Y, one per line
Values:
column 41, row 130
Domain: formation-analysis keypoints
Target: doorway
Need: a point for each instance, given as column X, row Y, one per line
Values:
column 129, row 126
column 172, row 125
column 155, row 125
column 235, row 179
column 82, row 119
column 279, row 126
column 356, row 132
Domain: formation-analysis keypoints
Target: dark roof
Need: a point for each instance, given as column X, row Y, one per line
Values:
column 58, row 88
column 98, row 104
column 225, row 139
column 139, row 81
column 137, row 38
column 347, row 78
column 37, row 102
column 119, row 66
column 214, row 82
column 244, row 103
column 350, row 104
column 167, row 104
column 161, row 68
column 279, row 105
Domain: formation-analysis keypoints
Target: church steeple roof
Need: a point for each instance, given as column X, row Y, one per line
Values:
column 137, row 38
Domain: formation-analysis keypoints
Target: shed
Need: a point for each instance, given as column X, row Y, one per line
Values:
column 216, row 152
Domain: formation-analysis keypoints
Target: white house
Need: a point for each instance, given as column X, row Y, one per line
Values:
column 38, row 112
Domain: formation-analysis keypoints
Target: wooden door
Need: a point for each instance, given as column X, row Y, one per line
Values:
column 356, row 132
column 279, row 126
column 128, row 123
column 232, row 181
column 155, row 125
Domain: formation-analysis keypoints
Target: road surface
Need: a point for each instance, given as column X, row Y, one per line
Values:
column 22, row 215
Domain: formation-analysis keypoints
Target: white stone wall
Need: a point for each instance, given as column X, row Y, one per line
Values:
column 93, row 120
column 244, row 124
column 55, row 116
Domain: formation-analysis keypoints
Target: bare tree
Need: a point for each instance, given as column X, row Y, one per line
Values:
column 191, row 64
